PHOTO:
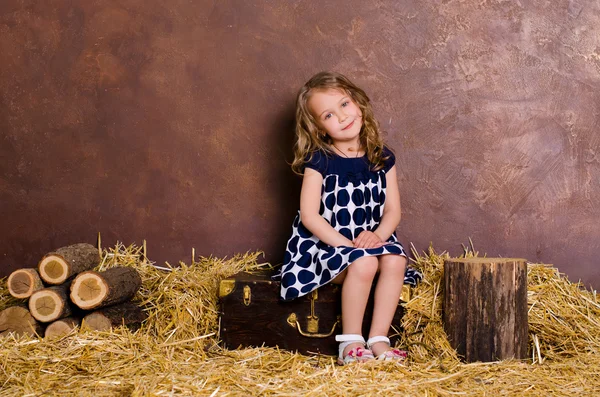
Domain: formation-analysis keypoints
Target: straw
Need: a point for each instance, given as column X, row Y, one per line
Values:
column 176, row 351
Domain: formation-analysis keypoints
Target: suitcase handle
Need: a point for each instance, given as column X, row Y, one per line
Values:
column 293, row 321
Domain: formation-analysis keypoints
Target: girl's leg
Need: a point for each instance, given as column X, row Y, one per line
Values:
column 357, row 282
column 387, row 293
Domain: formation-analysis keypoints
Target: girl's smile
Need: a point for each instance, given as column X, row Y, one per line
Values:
column 348, row 126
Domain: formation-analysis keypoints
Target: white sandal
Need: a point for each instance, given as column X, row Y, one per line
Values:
column 358, row 354
column 388, row 355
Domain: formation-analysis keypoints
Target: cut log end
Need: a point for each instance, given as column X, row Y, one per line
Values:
column 483, row 260
column 18, row 320
column 61, row 327
column 53, row 269
column 24, row 282
column 88, row 290
column 97, row 321
column 48, row 305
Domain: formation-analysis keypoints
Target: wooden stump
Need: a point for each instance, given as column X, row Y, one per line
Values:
column 24, row 282
column 56, row 267
column 128, row 314
column 51, row 303
column 485, row 308
column 17, row 319
column 91, row 290
column 61, row 327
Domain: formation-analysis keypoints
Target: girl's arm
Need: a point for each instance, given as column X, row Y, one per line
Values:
column 390, row 219
column 310, row 203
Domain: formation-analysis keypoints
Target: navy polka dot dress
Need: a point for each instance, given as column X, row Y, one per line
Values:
column 352, row 200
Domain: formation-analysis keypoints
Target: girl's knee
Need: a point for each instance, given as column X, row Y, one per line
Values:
column 392, row 265
column 364, row 268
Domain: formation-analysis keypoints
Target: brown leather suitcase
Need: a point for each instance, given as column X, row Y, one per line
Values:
column 253, row 315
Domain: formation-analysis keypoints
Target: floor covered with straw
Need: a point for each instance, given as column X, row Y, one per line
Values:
column 176, row 351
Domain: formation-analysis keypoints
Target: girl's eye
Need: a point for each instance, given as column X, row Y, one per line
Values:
column 345, row 104
column 328, row 115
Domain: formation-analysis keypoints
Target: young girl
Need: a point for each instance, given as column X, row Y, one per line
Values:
column 349, row 210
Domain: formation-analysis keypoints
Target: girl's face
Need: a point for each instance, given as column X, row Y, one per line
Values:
column 336, row 114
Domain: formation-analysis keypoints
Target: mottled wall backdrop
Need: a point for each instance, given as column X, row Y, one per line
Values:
column 171, row 121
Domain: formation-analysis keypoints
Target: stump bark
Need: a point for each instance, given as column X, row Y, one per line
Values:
column 24, row 282
column 56, row 267
column 51, row 303
column 92, row 290
column 485, row 308
column 61, row 327
column 18, row 320
column 128, row 314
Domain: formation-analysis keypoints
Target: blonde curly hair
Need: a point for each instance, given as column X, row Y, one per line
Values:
column 308, row 137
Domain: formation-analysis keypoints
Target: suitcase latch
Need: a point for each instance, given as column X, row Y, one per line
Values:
column 247, row 295
column 312, row 321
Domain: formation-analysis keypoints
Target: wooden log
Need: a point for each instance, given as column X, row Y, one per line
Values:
column 485, row 308
column 61, row 327
column 56, row 267
column 127, row 313
column 93, row 290
column 18, row 320
column 24, row 282
column 51, row 303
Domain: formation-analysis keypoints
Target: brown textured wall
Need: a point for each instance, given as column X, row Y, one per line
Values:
column 172, row 122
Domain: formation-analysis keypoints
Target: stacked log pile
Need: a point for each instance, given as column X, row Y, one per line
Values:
column 64, row 293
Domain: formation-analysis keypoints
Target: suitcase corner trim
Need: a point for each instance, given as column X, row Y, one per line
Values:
column 226, row 287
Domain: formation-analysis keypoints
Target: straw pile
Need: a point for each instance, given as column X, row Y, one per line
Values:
column 176, row 351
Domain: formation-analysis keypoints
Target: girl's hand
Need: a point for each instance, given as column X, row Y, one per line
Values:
column 367, row 239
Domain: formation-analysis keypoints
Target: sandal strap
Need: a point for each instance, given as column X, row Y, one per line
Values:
column 377, row 339
column 349, row 338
